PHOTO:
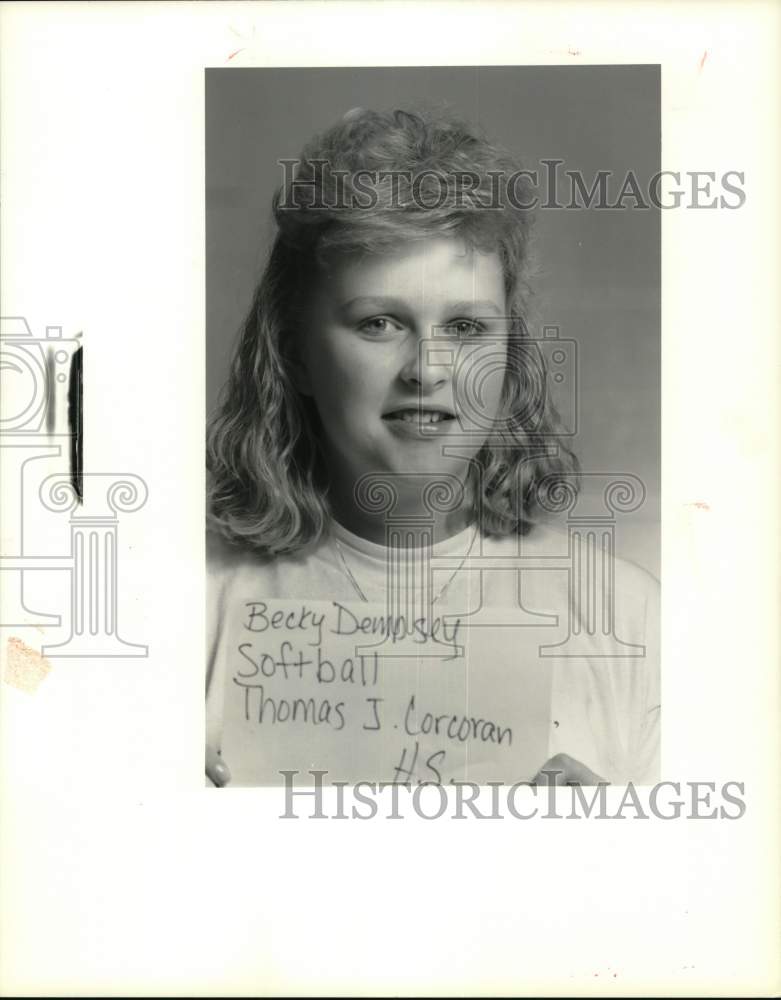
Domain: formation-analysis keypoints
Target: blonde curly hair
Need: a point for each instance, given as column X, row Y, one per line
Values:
column 433, row 175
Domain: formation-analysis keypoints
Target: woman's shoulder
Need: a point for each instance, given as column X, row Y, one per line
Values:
column 224, row 557
column 546, row 541
column 231, row 561
column 582, row 572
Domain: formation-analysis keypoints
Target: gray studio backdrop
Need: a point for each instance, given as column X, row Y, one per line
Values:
column 599, row 279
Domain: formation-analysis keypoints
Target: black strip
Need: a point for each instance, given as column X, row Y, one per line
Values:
column 51, row 392
column 76, row 423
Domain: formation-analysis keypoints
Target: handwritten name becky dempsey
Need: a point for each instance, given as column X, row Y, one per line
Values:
column 291, row 651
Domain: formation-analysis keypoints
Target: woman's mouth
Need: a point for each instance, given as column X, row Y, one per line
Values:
column 419, row 423
column 419, row 416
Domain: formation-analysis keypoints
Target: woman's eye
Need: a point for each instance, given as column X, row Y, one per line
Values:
column 378, row 324
column 464, row 328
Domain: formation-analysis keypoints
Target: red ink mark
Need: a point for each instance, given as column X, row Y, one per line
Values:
column 699, row 504
column 573, row 52
column 702, row 61
column 233, row 54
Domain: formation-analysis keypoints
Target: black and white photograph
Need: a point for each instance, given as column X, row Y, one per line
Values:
column 389, row 435
column 434, row 463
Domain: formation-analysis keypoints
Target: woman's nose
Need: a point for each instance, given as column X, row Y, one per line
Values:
column 428, row 366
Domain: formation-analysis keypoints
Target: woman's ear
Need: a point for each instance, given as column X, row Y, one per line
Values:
column 289, row 347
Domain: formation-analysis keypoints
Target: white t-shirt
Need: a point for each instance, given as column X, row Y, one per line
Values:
column 596, row 616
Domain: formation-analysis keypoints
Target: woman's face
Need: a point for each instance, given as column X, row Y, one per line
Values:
column 404, row 354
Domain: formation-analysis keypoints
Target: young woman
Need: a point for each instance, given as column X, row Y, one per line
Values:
column 386, row 439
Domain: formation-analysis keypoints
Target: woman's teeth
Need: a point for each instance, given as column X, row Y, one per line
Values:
column 420, row 416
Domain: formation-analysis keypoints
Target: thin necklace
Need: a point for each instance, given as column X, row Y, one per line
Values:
column 365, row 599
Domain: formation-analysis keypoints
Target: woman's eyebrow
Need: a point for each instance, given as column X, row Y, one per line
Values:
column 475, row 306
column 389, row 302
column 381, row 302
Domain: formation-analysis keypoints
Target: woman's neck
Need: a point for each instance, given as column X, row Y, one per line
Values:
column 408, row 525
